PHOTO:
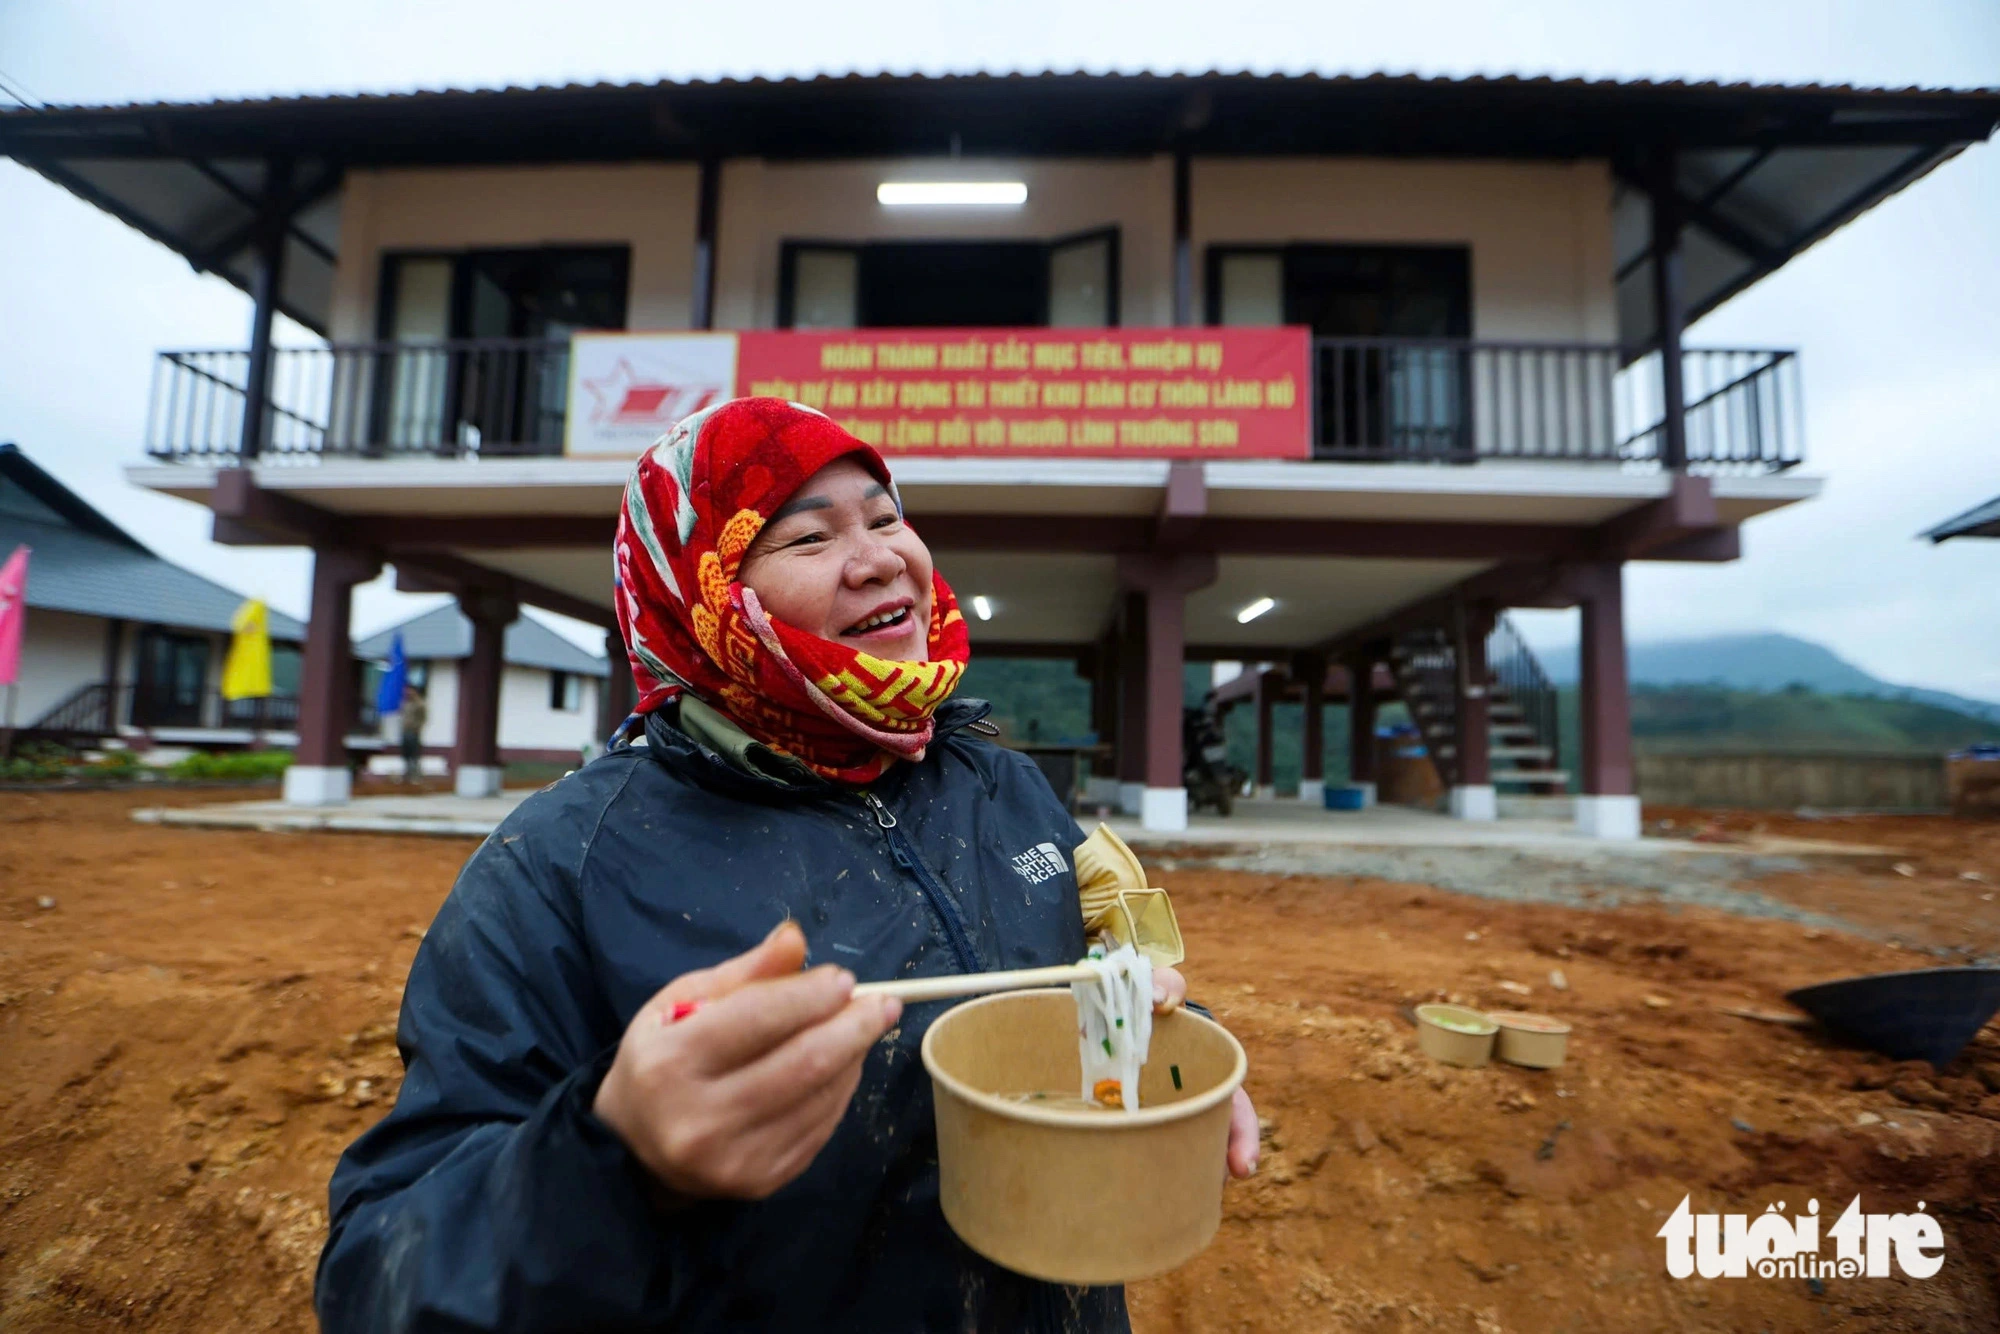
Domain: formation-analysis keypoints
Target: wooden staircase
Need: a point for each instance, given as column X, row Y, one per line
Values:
column 1521, row 708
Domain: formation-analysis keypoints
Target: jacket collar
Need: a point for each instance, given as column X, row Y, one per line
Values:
column 711, row 751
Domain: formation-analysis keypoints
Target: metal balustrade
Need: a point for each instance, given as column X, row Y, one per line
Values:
column 1388, row 400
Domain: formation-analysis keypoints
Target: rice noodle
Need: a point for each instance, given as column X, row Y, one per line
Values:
column 1114, row 1020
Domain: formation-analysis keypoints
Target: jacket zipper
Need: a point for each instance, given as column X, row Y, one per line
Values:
column 940, row 899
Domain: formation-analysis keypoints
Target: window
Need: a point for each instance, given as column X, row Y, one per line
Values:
column 501, row 391
column 1390, row 384
column 565, row 692
column 1069, row 282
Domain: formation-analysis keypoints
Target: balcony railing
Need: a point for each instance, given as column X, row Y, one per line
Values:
column 91, row 711
column 1453, row 401
column 1374, row 399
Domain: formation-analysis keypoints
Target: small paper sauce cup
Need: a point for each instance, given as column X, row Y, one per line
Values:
column 1535, row 1040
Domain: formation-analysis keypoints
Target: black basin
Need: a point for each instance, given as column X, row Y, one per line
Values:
column 1927, row 1014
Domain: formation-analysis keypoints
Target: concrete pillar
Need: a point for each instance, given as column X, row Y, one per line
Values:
column 1267, row 693
column 476, row 768
column 1310, row 669
column 1361, row 727
column 1131, row 702
column 1608, row 806
column 319, row 773
column 615, row 701
column 1164, row 581
column 1164, row 805
column 1473, row 796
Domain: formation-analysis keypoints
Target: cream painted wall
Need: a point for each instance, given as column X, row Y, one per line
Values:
column 61, row 652
column 648, row 206
column 1540, row 233
column 526, row 720
column 441, row 704
column 766, row 203
column 528, row 723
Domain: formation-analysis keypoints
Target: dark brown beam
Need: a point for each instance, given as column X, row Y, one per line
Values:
column 321, row 185
column 441, row 572
column 1687, row 510
column 1183, row 506
column 248, row 515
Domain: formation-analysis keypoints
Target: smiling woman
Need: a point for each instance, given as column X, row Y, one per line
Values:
column 838, row 560
column 628, row 1103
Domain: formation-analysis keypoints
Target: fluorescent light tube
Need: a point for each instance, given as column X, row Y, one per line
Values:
column 976, row 194
column 1254, row 610
column 983, row 607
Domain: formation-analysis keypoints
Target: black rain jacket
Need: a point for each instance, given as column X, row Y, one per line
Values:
column 491, row 1198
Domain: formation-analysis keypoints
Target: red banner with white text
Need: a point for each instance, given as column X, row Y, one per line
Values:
column 1118, row 393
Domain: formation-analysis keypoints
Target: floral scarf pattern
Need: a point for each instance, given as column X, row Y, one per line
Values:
column 693, row 505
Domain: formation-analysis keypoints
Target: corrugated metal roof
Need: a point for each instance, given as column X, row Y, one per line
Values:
column 75, row 571
column 1764, row 169
column 891, row 76
column 82, row 562
column 1979, row 521
column 444, row 632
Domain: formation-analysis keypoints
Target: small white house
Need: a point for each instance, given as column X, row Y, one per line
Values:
column 548, row 689
column 121, row 646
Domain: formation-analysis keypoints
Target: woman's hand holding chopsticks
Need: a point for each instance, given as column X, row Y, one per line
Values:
column 736, row 1098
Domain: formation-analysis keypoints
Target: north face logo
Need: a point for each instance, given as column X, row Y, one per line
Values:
column 1040, row 862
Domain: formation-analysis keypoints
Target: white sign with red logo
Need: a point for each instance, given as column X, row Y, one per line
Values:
column 627, row 389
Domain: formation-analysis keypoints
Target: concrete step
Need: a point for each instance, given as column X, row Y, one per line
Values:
column 1521, row 752
column 1521, row 806
column 1517, row 776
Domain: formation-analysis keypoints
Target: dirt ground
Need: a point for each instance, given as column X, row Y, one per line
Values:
column 203, row 1020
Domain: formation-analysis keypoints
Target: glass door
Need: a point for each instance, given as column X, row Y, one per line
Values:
column 1392, row 321
column 172, row 678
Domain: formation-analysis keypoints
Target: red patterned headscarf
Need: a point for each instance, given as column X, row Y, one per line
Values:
column 693, row 505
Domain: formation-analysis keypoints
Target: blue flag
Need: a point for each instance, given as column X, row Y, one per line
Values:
column 389, row 695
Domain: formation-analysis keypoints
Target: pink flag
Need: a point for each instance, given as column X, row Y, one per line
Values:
column 13, row 613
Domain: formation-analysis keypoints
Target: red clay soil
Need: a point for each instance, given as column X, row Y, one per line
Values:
column 204, row 1019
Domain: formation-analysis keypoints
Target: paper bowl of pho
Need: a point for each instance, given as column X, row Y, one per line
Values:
column 1455, row 1034
column 1037, row 1174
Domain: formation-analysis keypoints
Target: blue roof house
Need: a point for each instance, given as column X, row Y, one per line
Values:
column 122, row 645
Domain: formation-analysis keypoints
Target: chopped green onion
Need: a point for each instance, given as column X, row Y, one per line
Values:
column 1175, row 1071
column 1107, row 1046
column 1121, row 1023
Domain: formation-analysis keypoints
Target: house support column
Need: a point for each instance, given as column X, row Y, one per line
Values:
column 114, row 656
column 1183, row 237
column 1164, row 581
column 1098, row 665
column 266, row 277
column 1267, row 692
column 618, row 696
column 319, row 774
column 1131, row 702
column 1310, row 669
column 1361, row 727
column 476, row 758
column 1472, row 796
column 1608, row 806
column 708, row 201
column 1670, row 306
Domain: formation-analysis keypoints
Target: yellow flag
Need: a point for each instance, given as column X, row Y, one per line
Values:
column 246, row 672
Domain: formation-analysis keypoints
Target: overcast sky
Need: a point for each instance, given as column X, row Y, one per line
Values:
column 1897, row 316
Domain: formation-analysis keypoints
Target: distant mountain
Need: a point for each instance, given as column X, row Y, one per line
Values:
column 1765, row 662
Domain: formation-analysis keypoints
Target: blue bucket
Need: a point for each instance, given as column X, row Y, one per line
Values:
column 1343, row 798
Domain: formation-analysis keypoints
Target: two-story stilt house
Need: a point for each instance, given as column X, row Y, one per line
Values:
column 1317, row 372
